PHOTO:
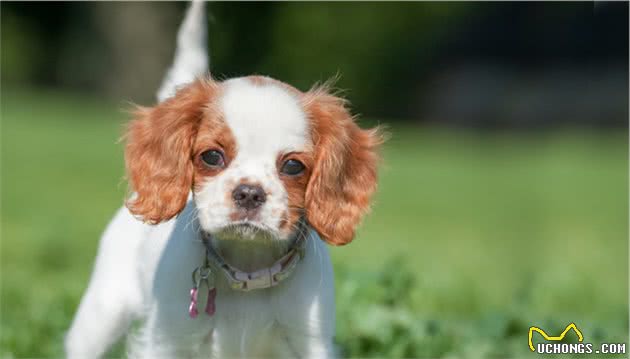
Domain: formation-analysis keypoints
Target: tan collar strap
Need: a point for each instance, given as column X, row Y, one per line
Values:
column 263, row 278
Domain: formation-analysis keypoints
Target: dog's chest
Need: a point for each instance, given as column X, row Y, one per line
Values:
column 244, row 325
column 257, row 323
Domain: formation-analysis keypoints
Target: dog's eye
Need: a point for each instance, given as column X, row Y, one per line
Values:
column 213, row 158
column 292, row 167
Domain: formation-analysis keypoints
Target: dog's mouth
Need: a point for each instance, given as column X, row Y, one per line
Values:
column 246, row 229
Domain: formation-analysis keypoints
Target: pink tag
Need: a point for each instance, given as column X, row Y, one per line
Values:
column 192, row 308
column 210, row 307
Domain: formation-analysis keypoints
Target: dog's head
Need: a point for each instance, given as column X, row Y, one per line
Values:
column 258, row 155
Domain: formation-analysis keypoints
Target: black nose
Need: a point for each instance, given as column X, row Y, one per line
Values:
column 248, row 197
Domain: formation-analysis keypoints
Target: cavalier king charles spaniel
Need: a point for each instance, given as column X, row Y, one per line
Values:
column 236, row 187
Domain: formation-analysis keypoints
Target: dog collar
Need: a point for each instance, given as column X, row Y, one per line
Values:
column 262, row 278
column 238, row 279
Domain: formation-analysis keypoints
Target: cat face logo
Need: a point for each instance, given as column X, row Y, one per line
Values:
column 556, row 338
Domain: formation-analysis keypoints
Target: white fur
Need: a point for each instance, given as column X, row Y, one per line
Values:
column 143, row 272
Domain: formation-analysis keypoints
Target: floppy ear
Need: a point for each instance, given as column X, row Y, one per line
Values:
column 158, row 152
column 345, row 170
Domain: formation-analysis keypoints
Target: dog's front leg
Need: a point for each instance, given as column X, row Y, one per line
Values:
column 113, row 297
column 306, row 305
column 101, row 319
column 103, row 316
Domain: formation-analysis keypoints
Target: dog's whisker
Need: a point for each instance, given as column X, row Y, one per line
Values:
column 193, row 219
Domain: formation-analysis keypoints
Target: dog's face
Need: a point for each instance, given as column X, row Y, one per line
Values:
column 259, row 157
column 252, row 173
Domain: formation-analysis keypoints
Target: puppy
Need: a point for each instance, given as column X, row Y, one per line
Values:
column 220, row 251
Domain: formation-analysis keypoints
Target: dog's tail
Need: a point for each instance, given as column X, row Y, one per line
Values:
column 191, row 53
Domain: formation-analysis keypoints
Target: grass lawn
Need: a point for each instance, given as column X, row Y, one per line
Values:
column 474, row 237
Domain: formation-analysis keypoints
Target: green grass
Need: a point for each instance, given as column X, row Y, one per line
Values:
column 473, row 237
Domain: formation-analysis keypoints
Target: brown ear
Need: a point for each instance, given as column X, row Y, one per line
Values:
column 345, row 170
column 158, row 152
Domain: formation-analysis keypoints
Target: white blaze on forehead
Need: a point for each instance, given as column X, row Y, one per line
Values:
column 265, row 119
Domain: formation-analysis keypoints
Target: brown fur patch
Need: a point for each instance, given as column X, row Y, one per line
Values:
column 264, row 80
column 344, row 175
column 158, row 150
column 213, row 134
column 296, row 189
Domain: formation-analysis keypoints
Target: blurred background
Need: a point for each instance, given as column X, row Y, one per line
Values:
column 503, row 200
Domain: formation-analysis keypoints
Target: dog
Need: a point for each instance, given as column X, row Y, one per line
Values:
column 236, row 187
